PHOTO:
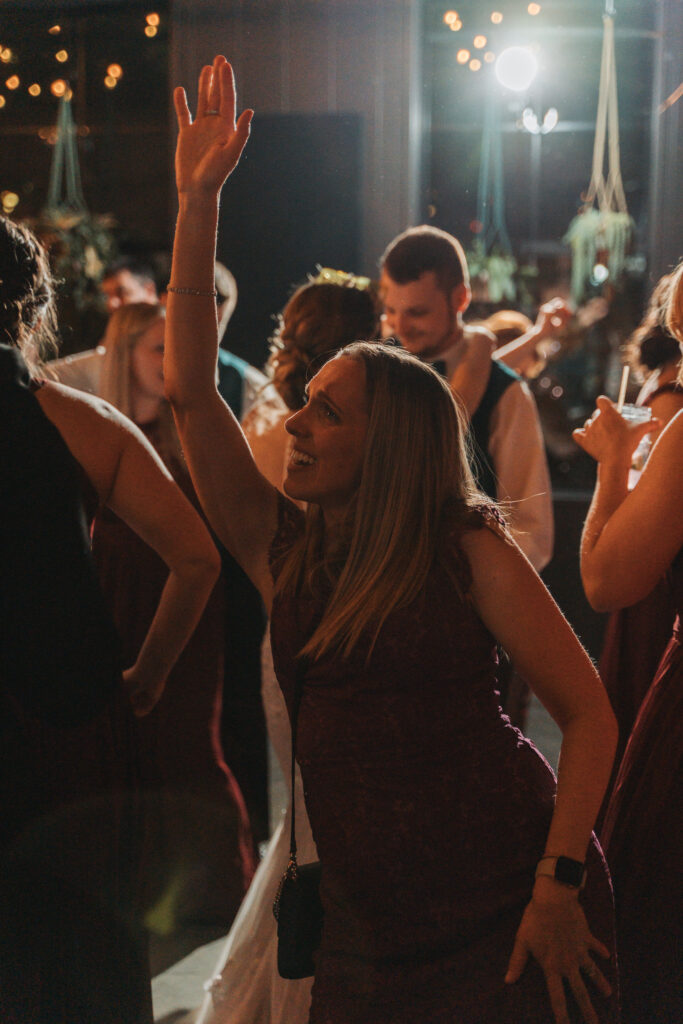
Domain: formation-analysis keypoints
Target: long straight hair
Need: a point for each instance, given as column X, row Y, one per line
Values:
column 125, row 327
column 415, row 468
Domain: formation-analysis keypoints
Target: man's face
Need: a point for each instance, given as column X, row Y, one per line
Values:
column 420, row 315
column 124, row 287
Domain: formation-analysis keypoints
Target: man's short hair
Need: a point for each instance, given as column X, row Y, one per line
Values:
column 133, row 264
column 422, row 249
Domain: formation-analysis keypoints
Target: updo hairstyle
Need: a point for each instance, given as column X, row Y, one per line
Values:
column 319, row 319
column 27, row 310
column 651, row 345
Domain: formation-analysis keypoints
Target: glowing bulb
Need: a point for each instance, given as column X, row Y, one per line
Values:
column 12, row 82
column 534, row 9
column 58, row 87
column 479, row 42
column 5, row 55
column 462, row 56
column 489, row 56
column 496, row 17
column 114, row 70
column 10, row 200
column 62, row 56
column 34, row 89
column 455, row 26
column 55, row 30
column 150, row 30
column 600, row 273
column 153, row 19
column 516, row 68
column 110, row 81
column 2, row 102
column 450, row 17
column 475, row 65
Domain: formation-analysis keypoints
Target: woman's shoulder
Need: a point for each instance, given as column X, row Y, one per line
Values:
column 464, row 532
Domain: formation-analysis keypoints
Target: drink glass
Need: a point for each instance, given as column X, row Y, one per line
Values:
column 638, row 414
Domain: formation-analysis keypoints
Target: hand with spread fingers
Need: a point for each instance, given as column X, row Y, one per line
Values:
column 555, row 932
column 209, row 148
column 609, row 437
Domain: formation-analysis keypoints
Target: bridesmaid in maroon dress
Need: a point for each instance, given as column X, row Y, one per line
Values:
column 452, row 867
column 198, row 858
column 630, row 539
column 70, row 949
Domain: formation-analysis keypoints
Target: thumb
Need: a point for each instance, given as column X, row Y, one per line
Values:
column 518, row 960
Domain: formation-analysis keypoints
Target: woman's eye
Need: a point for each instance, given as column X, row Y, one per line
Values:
column 329, row 413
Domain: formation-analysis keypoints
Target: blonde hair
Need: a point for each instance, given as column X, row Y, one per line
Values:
column 415, row 468
column 674, row 310
column 126, row 326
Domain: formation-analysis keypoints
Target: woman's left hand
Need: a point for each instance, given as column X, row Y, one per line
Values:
column 608, row 437
column 144, row 691
column 209, row 148
column 555, row 932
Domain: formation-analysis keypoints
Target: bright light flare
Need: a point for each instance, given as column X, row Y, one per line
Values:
column 55, row 30
column 10, row 201
column 449, row 18
column 462, row 56
column 534, row 9
column 516, row 68
column 34, row 90
column 115, row 70
column 110, row 81
column 58, row 87
column 496, row 17
column 479, row 42
column 154, row 19
column 150, row 31
column 13, row 82
column 475, row 65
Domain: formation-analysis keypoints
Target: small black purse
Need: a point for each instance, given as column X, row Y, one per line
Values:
column 297, row 907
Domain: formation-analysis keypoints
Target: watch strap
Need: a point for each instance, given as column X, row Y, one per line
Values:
column 564, row 870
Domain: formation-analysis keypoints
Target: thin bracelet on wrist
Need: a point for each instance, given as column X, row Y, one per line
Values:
column 193, row 291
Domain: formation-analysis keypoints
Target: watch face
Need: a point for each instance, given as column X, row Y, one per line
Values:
column 569, row 872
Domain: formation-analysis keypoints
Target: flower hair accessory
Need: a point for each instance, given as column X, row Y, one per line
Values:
column 326, row 275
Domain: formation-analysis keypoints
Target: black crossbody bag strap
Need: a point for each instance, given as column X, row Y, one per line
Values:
column 302, row 667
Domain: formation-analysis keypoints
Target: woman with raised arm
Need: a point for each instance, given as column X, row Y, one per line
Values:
column 631, row 540
column 70, row 948
column 453, row 870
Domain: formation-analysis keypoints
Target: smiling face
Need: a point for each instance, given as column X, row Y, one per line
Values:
column 124, row 287
column 147, row 362
column 421, row 315
column 326, row 460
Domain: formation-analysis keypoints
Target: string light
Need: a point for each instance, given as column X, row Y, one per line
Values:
column 58, row 87
column 114, row 70
column 110, row 81
column 150, row 30
column 534, row 9
column 12, row 82
column 475, row 65
column 62, row 56
column 10, row 201
column 55, row 30
column 5, row 55
column 455, row 26
column 34, row 89
column 154, row 19
column 450, row 17
column 462, row 56
column 489, row 57
column 496, row 17
column 2, row 102
column 479, row 42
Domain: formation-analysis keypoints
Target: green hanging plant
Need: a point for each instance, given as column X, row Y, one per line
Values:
column 495, row 269
column 598, row 236
column 80, row 246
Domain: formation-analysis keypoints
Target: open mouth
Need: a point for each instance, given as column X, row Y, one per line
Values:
column 298, row 458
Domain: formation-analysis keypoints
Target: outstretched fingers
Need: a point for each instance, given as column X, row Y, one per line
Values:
column 226, row 80
column 181, row 108
column 204, row 90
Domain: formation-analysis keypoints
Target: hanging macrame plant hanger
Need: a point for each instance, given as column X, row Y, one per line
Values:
column 65, row 192
column 609, row 228
column 491, row 256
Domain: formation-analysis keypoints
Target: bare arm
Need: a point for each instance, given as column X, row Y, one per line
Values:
column 238, row 500
column 516, row 607
column 630, row 539
column 131, row 479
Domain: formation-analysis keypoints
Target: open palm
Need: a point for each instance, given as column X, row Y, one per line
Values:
column 210, row 147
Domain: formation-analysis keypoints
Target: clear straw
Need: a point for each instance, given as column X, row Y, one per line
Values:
column 622, row 388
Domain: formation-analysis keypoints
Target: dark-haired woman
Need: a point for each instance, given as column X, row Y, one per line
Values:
column 70, row 949
column 452, row 868
column 328, row 312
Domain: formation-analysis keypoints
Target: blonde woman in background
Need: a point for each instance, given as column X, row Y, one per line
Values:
column 198, row 849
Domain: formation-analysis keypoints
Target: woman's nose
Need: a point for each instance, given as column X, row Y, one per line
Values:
column 296, row 423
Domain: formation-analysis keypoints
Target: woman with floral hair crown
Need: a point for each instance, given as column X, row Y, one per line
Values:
column 330, row 310
column 458, row 882
column 70, row 947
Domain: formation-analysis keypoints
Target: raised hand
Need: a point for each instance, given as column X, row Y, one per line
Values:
column 209, row 148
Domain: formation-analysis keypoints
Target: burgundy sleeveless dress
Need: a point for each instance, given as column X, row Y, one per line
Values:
column 429, row 811
column 642, row 835
column 198, row 859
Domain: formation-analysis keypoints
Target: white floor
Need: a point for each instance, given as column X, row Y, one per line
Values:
column 179, row 990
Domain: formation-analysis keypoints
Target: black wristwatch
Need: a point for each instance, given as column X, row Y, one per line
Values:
column 564, row 870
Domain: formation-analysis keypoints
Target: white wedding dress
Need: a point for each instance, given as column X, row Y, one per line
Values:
column 246, row 987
